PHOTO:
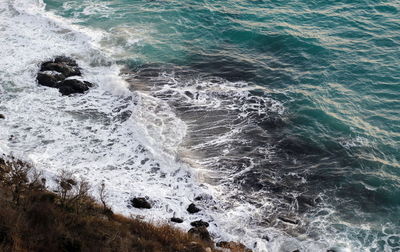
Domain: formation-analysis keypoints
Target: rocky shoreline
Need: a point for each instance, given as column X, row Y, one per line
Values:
column 62, row 73
column 32, row 218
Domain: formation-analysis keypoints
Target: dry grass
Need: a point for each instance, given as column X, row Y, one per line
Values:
column 34, row 219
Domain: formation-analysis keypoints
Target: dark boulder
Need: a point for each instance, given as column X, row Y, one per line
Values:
column 201, row 233
column 66, row 60
column 199, row 223
column 177, row 220
column 2, row 116
column 50, row 80
column 140, row 203
column 189, row 94
column 193, row 209
column 73, row 86
column 62, row 68
column 307, row 200
column 199, row 198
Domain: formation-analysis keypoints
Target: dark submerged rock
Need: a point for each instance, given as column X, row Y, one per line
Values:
column 199, row 223
column 307, row 200
column 49, row 80
column 140, row 203
column 189, row 94
column 289, row 220
column 177, row 220
column 193, row 209
column 73, row 86
column 201, row 233
column 2, row 116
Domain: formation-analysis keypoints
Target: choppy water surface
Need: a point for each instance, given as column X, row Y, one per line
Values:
column 283, row 116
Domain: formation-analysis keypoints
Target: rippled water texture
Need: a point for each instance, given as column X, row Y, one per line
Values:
column 286, row 109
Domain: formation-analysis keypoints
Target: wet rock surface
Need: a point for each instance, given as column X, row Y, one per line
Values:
column 140, row 203
column 176, row 220
column 54, row 74
column 193, row 209
column 66, row 60
column 50, row 80
column 64, row 65
column 199, row 223
column 73, row 86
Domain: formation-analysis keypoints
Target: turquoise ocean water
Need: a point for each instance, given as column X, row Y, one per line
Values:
column 333, row 68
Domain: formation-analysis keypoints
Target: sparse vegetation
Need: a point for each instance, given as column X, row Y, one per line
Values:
column 35, row 219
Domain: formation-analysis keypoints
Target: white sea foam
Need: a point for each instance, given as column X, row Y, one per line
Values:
column 354, row 142
column 127, row 140
column 89, row 8
column 130, row 141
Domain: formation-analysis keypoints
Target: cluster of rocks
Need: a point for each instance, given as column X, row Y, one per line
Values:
column 58, row 73
column 199, row 227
